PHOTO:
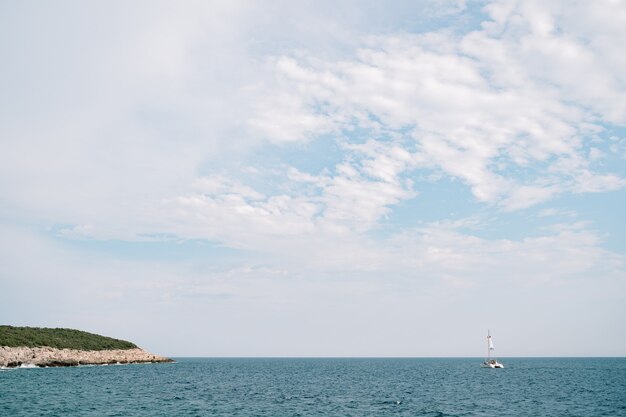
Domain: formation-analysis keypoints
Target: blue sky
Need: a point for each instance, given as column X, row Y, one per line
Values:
column 317, row 179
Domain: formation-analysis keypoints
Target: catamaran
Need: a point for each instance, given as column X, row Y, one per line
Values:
column 490, row 363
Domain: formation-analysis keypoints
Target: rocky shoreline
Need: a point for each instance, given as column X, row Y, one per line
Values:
column 13, row 357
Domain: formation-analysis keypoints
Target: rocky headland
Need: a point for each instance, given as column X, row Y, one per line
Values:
column 45, row 347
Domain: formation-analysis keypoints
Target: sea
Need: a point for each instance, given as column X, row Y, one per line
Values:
column 321, row 387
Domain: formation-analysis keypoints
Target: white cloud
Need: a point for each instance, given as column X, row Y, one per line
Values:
column 552, row 212
column 502, row 108
column 569, row 252
column 498, row 108
column 524, row 93
column 526, row 196
column 587, row 182
column 353, row 198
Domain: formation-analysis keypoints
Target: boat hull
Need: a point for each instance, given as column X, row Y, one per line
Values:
column 492, row 364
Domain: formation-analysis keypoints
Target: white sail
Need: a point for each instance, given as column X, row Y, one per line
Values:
column 490, row 343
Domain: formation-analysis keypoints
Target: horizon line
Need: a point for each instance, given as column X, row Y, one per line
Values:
column 394, row 357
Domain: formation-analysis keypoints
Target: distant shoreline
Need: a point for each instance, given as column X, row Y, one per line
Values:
column 48, row 347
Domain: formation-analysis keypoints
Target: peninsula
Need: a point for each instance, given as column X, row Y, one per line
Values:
column 44, row 347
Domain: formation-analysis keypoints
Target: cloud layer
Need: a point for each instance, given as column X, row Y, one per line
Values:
column 320, row 169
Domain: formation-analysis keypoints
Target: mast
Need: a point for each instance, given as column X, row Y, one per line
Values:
column 488, row 346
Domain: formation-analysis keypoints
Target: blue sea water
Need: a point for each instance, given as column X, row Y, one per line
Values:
column 321, row 387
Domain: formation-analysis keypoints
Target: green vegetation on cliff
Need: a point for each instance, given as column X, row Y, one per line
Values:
column 58, row 338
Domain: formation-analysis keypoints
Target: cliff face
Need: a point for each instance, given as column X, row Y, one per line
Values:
column 47, row 356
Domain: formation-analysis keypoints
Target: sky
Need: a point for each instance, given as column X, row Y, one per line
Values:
column 317, row 178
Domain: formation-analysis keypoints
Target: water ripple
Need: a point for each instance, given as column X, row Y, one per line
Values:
column 321, row 387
